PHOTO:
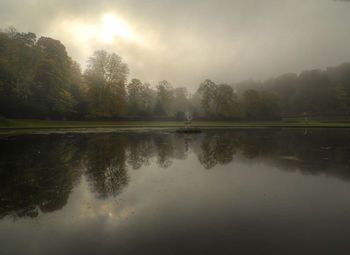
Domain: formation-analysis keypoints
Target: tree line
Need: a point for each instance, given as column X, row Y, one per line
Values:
column 319, row 92
column 38, row 79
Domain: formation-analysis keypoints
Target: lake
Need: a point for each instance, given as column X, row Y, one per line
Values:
column 258, row 191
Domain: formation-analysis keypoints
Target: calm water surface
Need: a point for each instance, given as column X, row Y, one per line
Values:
column 219, row 192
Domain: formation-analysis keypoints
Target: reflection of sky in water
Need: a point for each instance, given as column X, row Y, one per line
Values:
column 245, row 205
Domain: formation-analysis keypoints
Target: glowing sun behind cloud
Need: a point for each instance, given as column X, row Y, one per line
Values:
column 113, row 27
column 107, row 30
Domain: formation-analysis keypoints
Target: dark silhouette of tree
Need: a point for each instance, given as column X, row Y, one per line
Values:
column 37, row 173
column 216, row 149
column 106, row 164
column 140, row 149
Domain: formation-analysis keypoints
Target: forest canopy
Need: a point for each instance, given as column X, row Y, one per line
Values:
column 39, row 80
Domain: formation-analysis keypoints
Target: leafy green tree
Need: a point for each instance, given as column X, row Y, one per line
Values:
column 148, row 96
column 77, row 88
column 18, row 64
column 224, row 99
column 165, row 97
column 207, row 90
column 106, row 76
column 52, row 81
column 134, row 96
column 219, row 101
column 139, row 98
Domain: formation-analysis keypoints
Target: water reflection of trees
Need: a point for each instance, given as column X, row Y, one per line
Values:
column 216, row 149
column 105, row 164
column 164, row 147
column 37, row 173
column 318, row 152
column 140, row 150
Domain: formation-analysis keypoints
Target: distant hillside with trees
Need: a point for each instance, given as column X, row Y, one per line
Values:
column 321, row 92
column 39, row 80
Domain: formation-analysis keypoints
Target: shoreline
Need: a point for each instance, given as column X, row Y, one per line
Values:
column 19, row 124
column 24, row 127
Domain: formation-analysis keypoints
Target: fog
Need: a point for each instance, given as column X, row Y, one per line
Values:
column 188, row 41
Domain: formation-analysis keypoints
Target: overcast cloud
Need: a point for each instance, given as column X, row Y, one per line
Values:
column 188, row 41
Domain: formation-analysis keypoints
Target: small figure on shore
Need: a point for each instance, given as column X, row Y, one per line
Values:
column 188, row 120
column 188, row 123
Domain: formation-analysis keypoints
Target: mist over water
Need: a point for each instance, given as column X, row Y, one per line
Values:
column 244, row 191
column 107, row 164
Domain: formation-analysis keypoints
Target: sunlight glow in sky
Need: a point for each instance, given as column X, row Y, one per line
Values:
column 188, row 41
column 107, row 31
column 113, row 27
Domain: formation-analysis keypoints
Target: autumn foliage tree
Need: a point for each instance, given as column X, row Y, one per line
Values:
column 39, row 80
column 35, row 77
column 106, row 76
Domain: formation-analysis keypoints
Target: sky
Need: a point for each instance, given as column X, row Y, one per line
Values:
column 188, row 41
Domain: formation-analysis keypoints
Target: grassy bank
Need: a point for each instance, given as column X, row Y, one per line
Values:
column 285, row 123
